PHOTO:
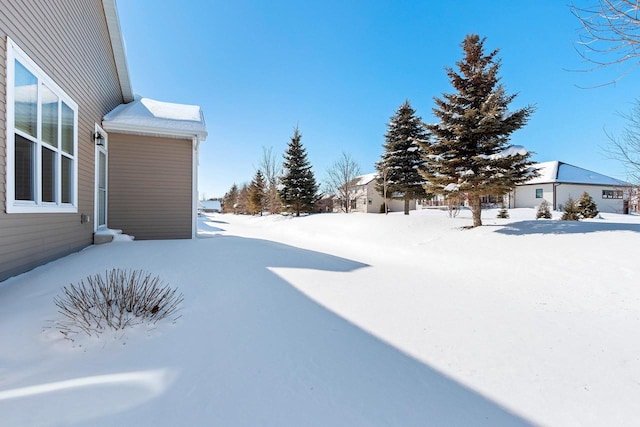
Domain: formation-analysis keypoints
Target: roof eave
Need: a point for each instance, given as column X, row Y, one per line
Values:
column 153, row 131
column 117, row 45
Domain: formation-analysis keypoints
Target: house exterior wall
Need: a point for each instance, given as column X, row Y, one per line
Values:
column 524, row 196
column 150, row 186
column 368, row 200
column 69, row 41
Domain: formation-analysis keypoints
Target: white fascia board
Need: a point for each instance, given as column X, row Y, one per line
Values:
column 152, row 131
column 117, row 45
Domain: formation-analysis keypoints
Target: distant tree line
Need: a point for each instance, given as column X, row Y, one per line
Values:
column 466, row 155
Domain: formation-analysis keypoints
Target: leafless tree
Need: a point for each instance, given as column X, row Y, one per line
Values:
column 626, row 148
column 612, row 36
column 611, row 32
column 271, row 170
column 340, row 177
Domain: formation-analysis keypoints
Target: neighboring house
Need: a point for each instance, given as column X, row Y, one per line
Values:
column 634, row 200
column 77, row 152
column 437, row 201
column 210, row 206
column 365, row 198
column 558, row 181
column 325, row 204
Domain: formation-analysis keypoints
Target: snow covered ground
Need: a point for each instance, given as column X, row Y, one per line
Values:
column 346, row 320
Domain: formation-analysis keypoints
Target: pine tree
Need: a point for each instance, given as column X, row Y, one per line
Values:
column 398, row 168
column 230, row 200
column 571, row 212
column 257, row 194
column 587, row 206
column 470, row 153
column 543, row 211
column 299, row 188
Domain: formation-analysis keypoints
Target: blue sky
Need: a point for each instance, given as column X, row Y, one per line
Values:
column 339, row 69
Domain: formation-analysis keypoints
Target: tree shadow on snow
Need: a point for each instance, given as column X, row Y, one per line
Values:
column 522, row 228
column 251, row 350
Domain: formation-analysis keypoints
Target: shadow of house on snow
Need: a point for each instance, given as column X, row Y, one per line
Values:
column 251, row 349
column 287, row 360
column 205, row 227
column 522, row 228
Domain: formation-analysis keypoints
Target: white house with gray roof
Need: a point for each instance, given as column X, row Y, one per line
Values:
column 557, row 181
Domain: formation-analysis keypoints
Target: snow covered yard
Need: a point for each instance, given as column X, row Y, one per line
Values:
column 346, row 320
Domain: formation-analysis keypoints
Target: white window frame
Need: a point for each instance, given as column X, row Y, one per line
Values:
column 37, row 206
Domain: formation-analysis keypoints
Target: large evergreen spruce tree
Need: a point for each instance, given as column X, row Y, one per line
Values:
column 299, row 188
column 470, row 153
column 401, row 159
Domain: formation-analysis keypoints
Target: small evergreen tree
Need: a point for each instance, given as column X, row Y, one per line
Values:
column 402, row 157
column 230, row 200
column 571, row 212
column 543, row 211
column 503, row 212
column 587, row 206
column 299, row 188
column 469, row 152
column 257, row 194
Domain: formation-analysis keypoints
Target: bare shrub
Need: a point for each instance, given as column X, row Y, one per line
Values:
column 116, row 300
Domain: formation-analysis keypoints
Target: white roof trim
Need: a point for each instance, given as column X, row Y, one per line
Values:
column 117, row 45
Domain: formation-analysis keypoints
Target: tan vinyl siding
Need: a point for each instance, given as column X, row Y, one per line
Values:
column 69, row 41
column 150, row 186
column 3, row 118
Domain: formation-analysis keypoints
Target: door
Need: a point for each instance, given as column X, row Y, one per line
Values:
column 102, row 164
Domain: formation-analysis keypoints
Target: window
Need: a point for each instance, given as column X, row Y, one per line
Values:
column 42, row 140
column 538, row 193
column 612, row 194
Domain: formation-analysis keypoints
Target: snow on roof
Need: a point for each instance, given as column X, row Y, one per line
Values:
column 150, row 117
column 560, row 172
column 365, row 179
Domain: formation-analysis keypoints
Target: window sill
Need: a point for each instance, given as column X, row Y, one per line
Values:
column 18, row 209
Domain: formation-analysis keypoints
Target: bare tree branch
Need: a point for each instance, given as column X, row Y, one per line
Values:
column 626, row 148
column 340, row 177
column 611, row 33
column 271, row 170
